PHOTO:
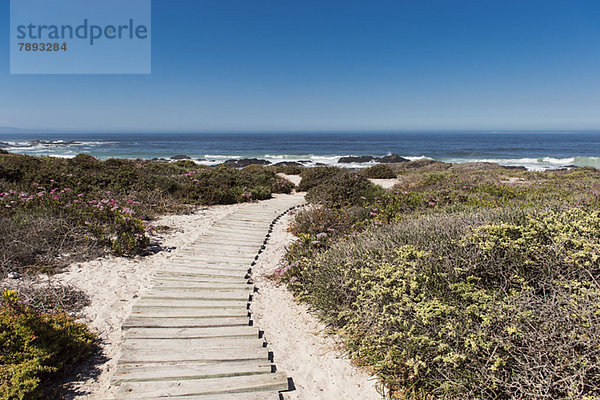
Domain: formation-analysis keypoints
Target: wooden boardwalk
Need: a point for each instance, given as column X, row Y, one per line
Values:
column 191, row 337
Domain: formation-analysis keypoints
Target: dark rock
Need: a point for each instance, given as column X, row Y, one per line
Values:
column 394, row 158
column 3, row 145
column 354, row 159
column 244, row 162
column 288, row 163
column 52, row 142
column 181, row 157
column 516, row 167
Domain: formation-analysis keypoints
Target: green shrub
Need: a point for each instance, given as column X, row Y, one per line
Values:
column 343, row 189
column 312, row 177
column 379, row 171
column 289, row 169
column 36, row 348
column 84, row 161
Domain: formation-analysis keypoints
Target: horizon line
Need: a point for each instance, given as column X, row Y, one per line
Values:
column 5, row 130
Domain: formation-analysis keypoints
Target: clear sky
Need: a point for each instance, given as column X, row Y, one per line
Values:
column 329, row 64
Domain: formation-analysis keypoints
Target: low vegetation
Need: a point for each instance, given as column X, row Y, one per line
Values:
column 53, row 211
column 460, row 283
column 36, row 348
column 379, row 171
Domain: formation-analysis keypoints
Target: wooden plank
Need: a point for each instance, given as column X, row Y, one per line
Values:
column 230, row 236
column 212, row 386
column 201, row 273
column 260, row 395
column 239, row 271
column 172, row 312
column 242, row 284
column 183, row 371
column 189, row 303
column 233, row 249
column 140, row 322
column 210, row 263
column 192, row 333
column 193, row 344
column 224, row 238
column 191, row 260
column 137, row 356
column 200, row 279
column 205, row 242
column 243, row 228
column 161, row 293
column 208, row 249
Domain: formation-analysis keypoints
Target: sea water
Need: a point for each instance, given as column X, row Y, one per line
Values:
column 533, row 150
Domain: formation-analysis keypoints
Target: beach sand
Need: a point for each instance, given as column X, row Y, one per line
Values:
column 313, row 359
column 296, row 337
column 295, row 179
column 385, row 183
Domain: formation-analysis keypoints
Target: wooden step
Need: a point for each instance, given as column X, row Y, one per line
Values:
column 184, row 294
column 172, row 312
column 141, row 322
column 137, row 356
column 184, row 343
column 190, row 303
column 192, row 333
column 242, row 284
column 211, row 386
column 187, row 371
column 240, row 273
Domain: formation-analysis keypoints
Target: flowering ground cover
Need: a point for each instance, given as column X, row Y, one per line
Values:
column 55, row 210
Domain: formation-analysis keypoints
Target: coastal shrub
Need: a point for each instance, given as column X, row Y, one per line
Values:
column 35, row 348
column 54, row 211
column 379, row 171
column 344, row 189
column 312, row 177
column 288, row 169
column 467, row 305
column 470, row 284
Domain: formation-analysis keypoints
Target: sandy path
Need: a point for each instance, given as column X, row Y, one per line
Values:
column 295, row 179
column 296, row 337
column 385, row 183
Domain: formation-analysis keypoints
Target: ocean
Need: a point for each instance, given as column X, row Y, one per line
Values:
column 533, row 150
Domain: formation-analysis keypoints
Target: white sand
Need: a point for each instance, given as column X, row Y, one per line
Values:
column 385, row 183
column 300, row 348
column 295, row 179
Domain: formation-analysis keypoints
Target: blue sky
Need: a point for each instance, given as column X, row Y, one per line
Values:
column 329, row 65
